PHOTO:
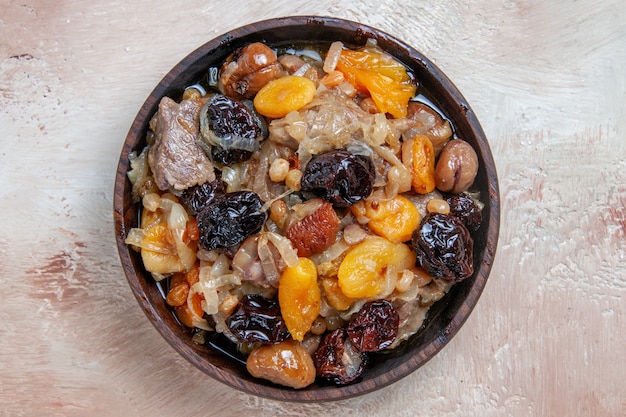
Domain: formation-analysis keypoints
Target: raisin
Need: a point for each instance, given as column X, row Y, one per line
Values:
column 229, row 219
column 341, row 177
column 375, row 326
column 198, row 197
column 258, row 319
column 337, row 360
column 465, row 208
column 444, row 247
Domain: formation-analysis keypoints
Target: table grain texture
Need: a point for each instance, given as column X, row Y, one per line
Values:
column 547, row 80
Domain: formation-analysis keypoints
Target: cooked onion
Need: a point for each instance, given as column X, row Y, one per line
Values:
column 332, row 56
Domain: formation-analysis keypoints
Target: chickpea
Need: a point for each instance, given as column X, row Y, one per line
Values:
column 293, row 178
column 457, row 167
column 401, row 177
column 437, row 205
column 278, row 212
column 191, row 93
column 279, row 169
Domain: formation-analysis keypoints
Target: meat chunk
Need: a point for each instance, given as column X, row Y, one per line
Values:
column 175, row 158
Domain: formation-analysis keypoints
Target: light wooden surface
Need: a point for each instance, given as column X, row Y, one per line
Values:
column 547, row 79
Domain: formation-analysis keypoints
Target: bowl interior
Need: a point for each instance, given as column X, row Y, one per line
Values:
column 444, row 318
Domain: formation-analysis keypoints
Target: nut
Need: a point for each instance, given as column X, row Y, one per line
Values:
column 286, row 363
column 457, row 167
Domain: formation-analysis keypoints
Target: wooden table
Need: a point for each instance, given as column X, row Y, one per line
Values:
column 547, row 80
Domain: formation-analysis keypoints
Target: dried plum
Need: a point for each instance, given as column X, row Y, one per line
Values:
column 229, row 156
column 196, row 198
column 258, row 319
column 375, row 326
column 231, row 129
column 444, row 247
column 229, row 219
column 465, row 208
column 337, row 360
column 341, row 177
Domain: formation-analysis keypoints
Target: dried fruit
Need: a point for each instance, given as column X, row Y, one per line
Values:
column 284, row 95
column 286, row 363
column 419, row 158
column 465, row 208
column 231, row 129
column 177, row 295
column 444, row 247
column 386, row 80
column 393, row 219
column 315, row 232
column 337, row 360
column 375, row 326
column 198, row 197
column 258, row 319
column 299, row 297
column 185, row 314
column 363, row 273
column 229, row 219
column 341, row 177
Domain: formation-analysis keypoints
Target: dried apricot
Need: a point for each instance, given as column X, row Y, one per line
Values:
column 299, row 297
column 363, row 272
column 418, row 156
column 386, row 79
column 393, row 219
column 284, row 95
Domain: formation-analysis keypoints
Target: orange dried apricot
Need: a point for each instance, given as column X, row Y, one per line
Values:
column 284, row 95
column 386, row 79
column 393, row 219
column 299, row 297
column 363, row 272
column 418, row 156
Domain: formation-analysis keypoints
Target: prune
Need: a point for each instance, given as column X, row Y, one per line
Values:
column 465, row 208
column 229, row 156
column 258, row 319
column 198, row 197
column 444, row 247
column 341, row 177
column 375, row 326
column 231, row 129
column 337, row 360
column 229, row 219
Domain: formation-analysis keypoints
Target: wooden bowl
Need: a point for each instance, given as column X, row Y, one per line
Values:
column 445, row 317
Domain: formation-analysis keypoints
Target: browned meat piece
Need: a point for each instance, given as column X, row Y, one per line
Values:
column 176, row 159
